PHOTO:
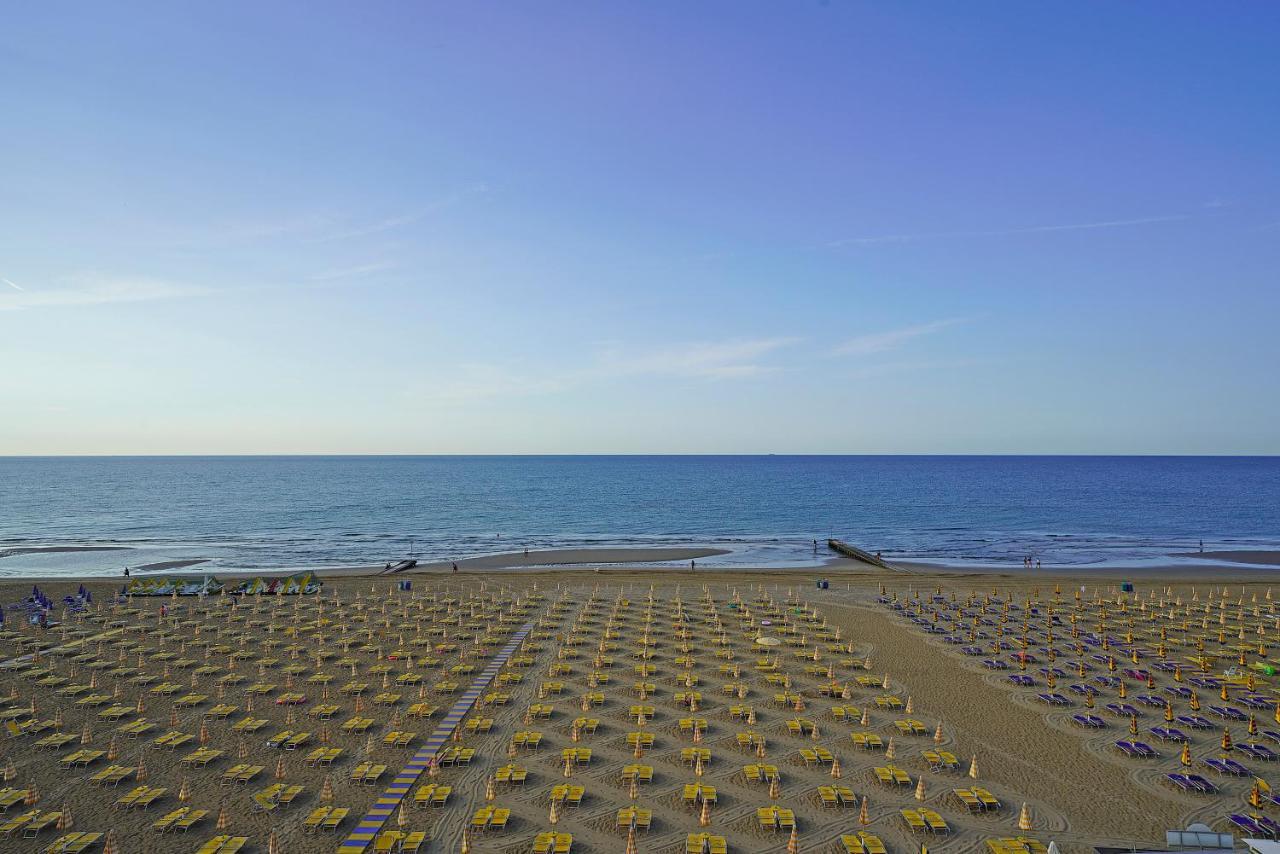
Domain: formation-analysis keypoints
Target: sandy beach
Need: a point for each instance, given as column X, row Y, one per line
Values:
column 209, row 666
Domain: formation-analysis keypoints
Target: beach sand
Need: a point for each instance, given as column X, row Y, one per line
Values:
column 1079, row 792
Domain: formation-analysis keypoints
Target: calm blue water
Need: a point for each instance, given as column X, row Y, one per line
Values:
column 286, row 512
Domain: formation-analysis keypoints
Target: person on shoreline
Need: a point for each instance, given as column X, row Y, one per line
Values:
column 455, row 566
column 126, row 570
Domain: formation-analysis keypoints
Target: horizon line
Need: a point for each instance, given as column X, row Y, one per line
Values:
column 396, row 455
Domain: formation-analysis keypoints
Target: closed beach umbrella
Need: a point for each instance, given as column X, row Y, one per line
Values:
column 793, row 844
column 64, row 817
column 184, row 792
column 920, row 789
column 326, row 790
column 705, row 818
column 864, row 817
column 111, row 846
column 273, row 844
column 223, row 818
column 1024, row 817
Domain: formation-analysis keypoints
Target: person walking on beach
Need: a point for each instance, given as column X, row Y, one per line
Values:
column 126, row 570
column 455, row 566
column 1202, row 547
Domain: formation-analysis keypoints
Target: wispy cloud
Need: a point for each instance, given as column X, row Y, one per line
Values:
column 714, row 360
column 13, row 285
column 408, row 218
column 96, row 290
column 880, row 342
column 1005, row 232
column 733, row 359
column 353, row 272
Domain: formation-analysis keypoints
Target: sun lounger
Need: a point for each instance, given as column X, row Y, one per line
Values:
column 72, row 843
column 39, row 823
column 334, row 818
column 705, row 843
column 775, row 818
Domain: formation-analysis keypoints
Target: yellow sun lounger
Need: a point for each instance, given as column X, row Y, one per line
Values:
column 73, row 843
column 776, row 818
column 641, row 773
column 432, row 795
column 641, row 818
column 388, row 840
column 705, row 843
column 516, row 774
column 698, row 794
column 892, row 775
column 315, row 818
column 862, row 843
column 40, row 822
column 17, row 822
column 569, row 795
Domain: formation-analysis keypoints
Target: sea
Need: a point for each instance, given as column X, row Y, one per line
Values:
column 288, row 513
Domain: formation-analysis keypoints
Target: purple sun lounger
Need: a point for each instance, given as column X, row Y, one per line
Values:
column 1229, row 767
column 1168, row 733
column 1257, row 751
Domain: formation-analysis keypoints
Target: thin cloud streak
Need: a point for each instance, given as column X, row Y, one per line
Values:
column 353, row 272
column 98, row 290
column 880, row 342
column 405, row 219
column 1006, row 232
column 734, row 359
column 13, row 285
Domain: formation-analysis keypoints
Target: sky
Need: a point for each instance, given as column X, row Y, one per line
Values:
column 661, row 227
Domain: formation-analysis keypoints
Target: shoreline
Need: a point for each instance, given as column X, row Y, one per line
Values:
column 1171, row 566
column 667, row 561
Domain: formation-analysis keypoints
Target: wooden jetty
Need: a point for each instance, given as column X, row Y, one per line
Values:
column 841, row 547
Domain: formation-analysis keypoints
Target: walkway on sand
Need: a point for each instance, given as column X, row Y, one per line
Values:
column 364, row 833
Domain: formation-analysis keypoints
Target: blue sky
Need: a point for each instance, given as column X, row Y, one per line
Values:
column 646, row 227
